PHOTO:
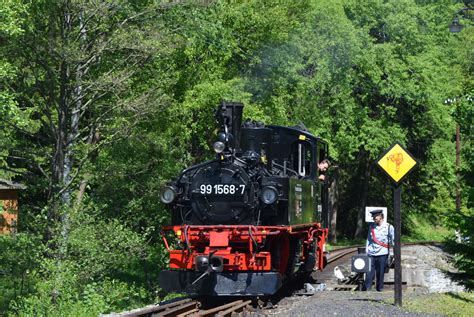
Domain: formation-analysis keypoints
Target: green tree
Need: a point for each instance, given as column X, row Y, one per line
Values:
column 12, row 16
column 79, row 61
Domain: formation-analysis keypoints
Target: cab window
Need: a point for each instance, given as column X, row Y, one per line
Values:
column 303, row 159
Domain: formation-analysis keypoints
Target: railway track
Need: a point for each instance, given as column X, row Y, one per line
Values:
column 339, row 253
column 185, row 308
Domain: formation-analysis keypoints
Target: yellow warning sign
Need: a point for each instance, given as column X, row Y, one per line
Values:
column 396, row 162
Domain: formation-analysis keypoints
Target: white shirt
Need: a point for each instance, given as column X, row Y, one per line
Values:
column 383, row 233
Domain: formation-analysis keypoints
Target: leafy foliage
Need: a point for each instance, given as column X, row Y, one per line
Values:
column 98, row 273
column 101, row 103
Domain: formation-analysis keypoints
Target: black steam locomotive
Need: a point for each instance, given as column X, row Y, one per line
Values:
column 253, row 217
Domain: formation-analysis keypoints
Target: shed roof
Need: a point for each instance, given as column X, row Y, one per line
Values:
column 5, row 184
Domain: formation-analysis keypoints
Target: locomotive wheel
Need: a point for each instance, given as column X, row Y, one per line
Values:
column 285, row 255
column 293, row 256
column 280, row 249
column 311, row 258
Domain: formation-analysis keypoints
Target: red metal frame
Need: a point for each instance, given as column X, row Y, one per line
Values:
column 242, row 246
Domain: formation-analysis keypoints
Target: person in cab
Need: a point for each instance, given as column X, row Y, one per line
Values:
column 323, row 166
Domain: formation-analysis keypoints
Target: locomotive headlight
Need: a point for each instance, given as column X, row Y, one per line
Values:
column 168, row 195
column 269, row 195
column 218, row 147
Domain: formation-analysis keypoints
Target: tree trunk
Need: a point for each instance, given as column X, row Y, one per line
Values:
column 67, row 128
column 92, row 140
column 333, row 206
column 363, row 199
column 59, row 167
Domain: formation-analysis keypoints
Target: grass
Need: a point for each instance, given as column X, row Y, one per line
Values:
column 422, row 229
column 448, row 304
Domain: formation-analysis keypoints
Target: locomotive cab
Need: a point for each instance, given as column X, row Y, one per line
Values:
column 296, row 156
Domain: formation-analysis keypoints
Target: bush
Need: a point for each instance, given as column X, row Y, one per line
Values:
column 61, row 295
column 100, row 269
column 462, row 244
column 20, row 255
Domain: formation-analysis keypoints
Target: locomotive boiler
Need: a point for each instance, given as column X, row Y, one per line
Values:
column 251, row 219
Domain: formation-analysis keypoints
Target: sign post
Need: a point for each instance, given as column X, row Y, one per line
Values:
column 397, row 193
column 397, row 162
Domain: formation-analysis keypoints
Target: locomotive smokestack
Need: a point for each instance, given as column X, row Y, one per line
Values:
column 229, row 115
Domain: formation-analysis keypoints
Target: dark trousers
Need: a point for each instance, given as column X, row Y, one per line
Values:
column 377, row 269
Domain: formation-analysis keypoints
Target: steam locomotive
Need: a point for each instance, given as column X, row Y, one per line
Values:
column 253, row 218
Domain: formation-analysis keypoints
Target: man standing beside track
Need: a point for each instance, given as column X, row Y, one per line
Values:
column 381, row 234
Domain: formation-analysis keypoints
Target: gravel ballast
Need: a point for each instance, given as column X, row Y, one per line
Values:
column 342, row 304
column 430, row 263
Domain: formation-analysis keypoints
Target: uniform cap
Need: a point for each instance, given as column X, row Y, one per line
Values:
column 376, row 212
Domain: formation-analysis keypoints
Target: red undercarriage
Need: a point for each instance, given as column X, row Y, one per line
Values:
column 246, row 247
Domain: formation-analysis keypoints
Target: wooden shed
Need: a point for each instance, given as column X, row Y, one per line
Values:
column 9, row 206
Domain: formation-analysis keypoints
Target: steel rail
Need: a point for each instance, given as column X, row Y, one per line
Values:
column 170, row 309
column 233, row 309
column 340, row 253
column 183, row 309
column 216, row 311
column 347, row 249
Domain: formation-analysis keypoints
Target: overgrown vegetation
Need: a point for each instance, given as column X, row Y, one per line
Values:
column 102, row 102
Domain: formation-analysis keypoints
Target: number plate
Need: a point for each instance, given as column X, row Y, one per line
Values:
column 222, row 189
